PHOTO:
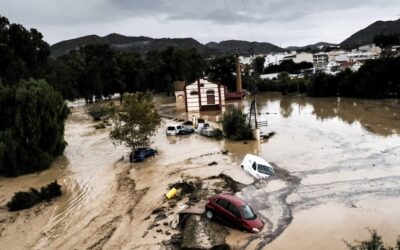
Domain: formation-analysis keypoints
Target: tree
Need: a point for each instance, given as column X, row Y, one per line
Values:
column 136, row 121
column 235, row 125
column 258, row 65
column 32, row 127
column 222, row 69
column 23, row 53
column 101, row 75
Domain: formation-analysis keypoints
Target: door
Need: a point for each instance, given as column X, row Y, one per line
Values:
column 210, row 97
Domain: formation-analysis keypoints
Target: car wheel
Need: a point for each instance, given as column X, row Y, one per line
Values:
column 209, row 214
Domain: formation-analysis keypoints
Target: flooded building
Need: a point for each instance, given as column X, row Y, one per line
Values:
column 202, row 95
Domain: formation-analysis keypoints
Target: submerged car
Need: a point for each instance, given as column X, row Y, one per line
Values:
column 257, row 166
column 185, row 131
column 234, row 212
column 173, row 129
column 140, row 154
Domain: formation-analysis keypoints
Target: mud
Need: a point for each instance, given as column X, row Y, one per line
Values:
column 337, row 164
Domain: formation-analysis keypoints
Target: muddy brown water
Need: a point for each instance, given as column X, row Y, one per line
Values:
column 341, row 158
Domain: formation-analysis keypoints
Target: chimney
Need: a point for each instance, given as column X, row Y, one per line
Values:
column 238, row 76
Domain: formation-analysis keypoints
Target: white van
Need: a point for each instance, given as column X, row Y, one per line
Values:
column 257, row 167
column 173, row 129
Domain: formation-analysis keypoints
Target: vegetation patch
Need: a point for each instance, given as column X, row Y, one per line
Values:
column 374, row 243
column 235, row 125
column 24, row 200
column 99, row 111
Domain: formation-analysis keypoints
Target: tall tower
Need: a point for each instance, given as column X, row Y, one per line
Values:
column 238, row 76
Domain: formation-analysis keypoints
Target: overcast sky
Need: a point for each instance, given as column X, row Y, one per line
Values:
column 282, row 22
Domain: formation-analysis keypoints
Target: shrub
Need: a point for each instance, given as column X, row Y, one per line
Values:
column 374, row 243
column 24, row 200
column 235, row 125
column 97, row 111
column 50, row 191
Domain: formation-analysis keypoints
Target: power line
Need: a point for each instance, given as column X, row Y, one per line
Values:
column 231, row 17
column 247, row 12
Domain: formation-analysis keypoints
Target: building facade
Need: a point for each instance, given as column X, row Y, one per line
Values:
column 203, row 95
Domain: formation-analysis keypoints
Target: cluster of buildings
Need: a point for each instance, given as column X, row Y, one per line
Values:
column 328, row 62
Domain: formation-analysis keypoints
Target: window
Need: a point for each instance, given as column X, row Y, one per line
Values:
column 179, row 127
column 233, row 210
column 223, row 203
column 254, row 166
column 194, row 93
column 248, row 213
column 171, row 128
column 265, row 169
column 210, row 92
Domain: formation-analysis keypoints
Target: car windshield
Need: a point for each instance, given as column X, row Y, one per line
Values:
column 265, row 169
column 247, row 212
column 171, row 128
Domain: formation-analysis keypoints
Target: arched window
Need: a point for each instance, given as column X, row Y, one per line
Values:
column 210, row 92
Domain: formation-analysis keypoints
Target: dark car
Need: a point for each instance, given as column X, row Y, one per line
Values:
column 234, row 212
column 142, row 153
column 185, row 131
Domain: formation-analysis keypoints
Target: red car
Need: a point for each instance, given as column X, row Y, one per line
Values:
column 233, row 211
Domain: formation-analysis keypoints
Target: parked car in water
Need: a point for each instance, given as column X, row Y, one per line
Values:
column 185, row 130
column 257, row 166
column 173, row 129
column 140, row 154
column 234, row 212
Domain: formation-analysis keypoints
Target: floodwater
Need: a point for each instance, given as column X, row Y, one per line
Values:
column 338, row 173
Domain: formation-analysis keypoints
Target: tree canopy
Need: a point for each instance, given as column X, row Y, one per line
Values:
column 136, row 121
column 32, row 127
column 23, row 53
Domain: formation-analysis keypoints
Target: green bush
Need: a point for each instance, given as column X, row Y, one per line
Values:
column 98, row 111
column 235, row 125
column 24, row 200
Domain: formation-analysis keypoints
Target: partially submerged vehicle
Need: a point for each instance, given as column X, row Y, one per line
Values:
column 234, row 212
column 185, row 130
column 173, row 129
column 140, row 154
column 257, row 166
column 206, row 130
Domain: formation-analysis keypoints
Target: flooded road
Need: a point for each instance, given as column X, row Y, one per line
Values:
column 338, row 163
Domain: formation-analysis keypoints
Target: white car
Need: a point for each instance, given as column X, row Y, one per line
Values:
column 257, row 167
column 173, row 129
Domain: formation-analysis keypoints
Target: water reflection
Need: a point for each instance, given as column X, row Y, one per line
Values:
column 380, row 117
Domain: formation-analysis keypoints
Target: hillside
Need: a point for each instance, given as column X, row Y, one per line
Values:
column 367, row 34
column 243, row 47
column 314, row 46
column 142, row 44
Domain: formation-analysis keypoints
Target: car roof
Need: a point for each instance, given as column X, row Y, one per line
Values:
column 232, row 199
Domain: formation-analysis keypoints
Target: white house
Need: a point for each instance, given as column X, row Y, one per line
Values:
column 203, row 95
